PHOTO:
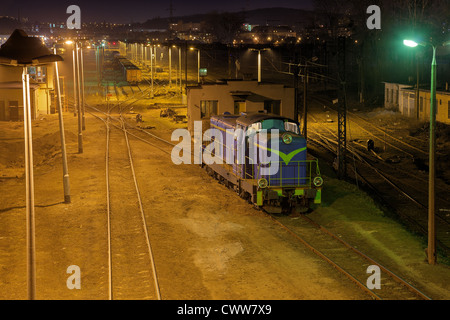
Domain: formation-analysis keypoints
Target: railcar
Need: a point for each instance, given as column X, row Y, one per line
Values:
column 293, row 182
column 131, row 72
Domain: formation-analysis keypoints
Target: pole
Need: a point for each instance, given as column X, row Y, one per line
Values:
column 185, row 64
column 29, row 182
column 431, row 196
column 179, row 67
column 417, row 89
column 295, row 93
column 198, row 66
column 305, row 102
column 82, row 89
column 63, row 139
column 259, row 65
column 80, row 133
column 170, row 66
column 151, row 66
column 74, row 83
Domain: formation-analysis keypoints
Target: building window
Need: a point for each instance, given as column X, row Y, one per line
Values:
column 208, row 108
column 272, row 106
column 3, row 110
column 38, row 74
column 239, row 106
column 448, row 115
column 14, row 110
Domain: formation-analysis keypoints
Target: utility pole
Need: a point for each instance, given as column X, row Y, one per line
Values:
column 342, row 110
column 82, row 88
column 170, row 66
column 305, row 101
column 29, row 181
column 151, row 67
column 80, row 133
column 295, row 71
column 63, row 139
column 431, row 250
column 185, row 63
column 179, row 68
column 417, row 88
column 74, row 83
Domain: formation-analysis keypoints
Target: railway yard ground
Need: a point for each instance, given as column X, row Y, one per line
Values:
column 207, row 242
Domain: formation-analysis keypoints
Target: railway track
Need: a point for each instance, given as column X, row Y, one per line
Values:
column 402, row 192
column 348, row 260
column 132, row 272
column 345, row 258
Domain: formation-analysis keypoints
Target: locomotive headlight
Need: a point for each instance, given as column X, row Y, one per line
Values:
column 318, row 181
column 287, row 138
column 262, row 183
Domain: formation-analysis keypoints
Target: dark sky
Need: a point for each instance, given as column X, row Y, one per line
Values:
column 133, row 10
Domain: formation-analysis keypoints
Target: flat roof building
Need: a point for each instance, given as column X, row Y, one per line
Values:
column 235, row 97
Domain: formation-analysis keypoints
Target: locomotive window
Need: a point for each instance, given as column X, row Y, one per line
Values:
column 291, row 127
column 273, row 124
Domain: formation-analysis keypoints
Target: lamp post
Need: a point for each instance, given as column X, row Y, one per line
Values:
column 431, row 251
column 74, row 78
column 81, row 66
column 198, row 63
column 170, row 66
column 21, row 50
column 80, row 120
column 179, row 69
column 179, row 73
column 151, row 68
column 63, row 139
column 259, row 61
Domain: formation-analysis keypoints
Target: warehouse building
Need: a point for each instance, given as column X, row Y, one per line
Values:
column 403, row 99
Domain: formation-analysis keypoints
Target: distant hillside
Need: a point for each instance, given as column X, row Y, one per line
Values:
column 271, row 16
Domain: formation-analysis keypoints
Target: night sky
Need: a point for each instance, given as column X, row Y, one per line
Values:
column 133, row 10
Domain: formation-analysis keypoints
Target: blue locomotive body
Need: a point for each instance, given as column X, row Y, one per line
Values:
column 264, row 158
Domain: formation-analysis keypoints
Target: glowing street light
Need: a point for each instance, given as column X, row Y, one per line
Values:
column 431, row 251
column 410, row 43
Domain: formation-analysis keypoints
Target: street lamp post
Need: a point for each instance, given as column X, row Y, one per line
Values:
column 74, row 79
column 170, row 66
column 259, row 62
column 198, row 63
column 80, row 120
column 151, row 67
column 431, row 250
column 63, row 139
column 82, row 88
column 179, row 68
column 21, row 50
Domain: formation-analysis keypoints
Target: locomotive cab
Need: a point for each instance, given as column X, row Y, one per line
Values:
column 270, row 141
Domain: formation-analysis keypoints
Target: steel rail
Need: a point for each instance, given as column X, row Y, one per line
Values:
column 386, row 270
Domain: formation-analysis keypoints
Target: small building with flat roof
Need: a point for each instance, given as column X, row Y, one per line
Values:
column 235, row 97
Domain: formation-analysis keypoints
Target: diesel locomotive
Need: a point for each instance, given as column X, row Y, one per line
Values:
column 294, row 182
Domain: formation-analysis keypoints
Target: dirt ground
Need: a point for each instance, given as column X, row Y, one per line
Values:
column 208, row 243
